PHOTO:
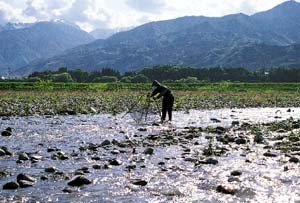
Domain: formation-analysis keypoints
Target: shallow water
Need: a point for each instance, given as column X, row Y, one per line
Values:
column 263, row 179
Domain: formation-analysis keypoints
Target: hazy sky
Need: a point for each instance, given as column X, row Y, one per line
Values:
column 91, row 14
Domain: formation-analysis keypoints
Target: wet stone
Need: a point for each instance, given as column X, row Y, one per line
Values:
column 215, row 120
column 234, row 123
column 190, row 159
column 209, row 161
column 96, row 158
column 25, row 177
column 139, row 182
column 35, row 158
column 23, row 157
column 280, row 131
column 233, row 179
column 7, row 132
column 2, row 153
column 259, row 139
column 142, row 129
column 115, row 152
column 270, row 154
column 50, row 149
column 79, row 181
column 220, row 130
column 7, row 152
column 226, row 189
column 236, row 173
column 148, row 151
column 79, row 172
column 115, row 162
column 294, row 160
column 105, row 143
column 3, row 173
column 19, row 161
column 60, row 156
column 240, row 141
column 51, row 169
column 294, row 139
column 11, row 186
column 97, row 166
column 25, row 183
column 44, row 178
column 67, row 190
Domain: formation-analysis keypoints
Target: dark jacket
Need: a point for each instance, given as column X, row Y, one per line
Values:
column 158, row 88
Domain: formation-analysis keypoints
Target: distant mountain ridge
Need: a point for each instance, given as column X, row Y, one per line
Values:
column 263, row 40
column 21, row 44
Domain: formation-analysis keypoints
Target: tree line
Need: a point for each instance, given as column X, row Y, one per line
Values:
column 170, row 74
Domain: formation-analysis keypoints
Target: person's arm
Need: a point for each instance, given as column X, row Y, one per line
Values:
column 163, row 91
column 154, row 92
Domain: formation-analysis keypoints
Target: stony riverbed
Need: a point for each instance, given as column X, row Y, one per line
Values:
column 225, row 155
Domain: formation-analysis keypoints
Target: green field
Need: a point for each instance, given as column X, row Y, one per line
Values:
column 73, row 98
column 224, row 86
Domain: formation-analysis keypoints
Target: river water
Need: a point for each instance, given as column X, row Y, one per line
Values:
column 170, row 178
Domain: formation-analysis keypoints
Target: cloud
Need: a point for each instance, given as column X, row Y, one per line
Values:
column 92, row 14
column 10, row 13
column 149, row 6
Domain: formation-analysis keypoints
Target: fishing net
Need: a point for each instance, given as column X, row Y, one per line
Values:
column 145, row 111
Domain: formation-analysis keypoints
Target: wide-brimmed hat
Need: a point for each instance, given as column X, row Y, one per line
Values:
column 156, row 83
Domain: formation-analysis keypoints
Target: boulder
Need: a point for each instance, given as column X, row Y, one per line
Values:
column 139, row 182
column 240, row 141
column 78, row 181
column 25, row 183
column 7, row 132
column 270, row 154
column 11, row 186
column 2, row 153
column 236, row 173
column 148, row 151
column 294, row 160
column 115, row 162
column 7, row 152
column 51, row 169
column 25, row 177
column 23, row 157
column 258, row 139
column 105, row 143
column 226, row 190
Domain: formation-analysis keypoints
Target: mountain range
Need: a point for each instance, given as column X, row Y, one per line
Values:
column 21, row 44
column 263, row 40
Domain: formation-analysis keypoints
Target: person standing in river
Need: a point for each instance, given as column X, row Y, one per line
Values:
column 168, row 99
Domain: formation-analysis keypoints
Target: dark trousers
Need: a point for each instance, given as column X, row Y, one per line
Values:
column 167, row 106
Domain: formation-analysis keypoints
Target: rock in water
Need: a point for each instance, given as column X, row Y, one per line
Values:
column 105, row 143
column 2, row 153
column 10, row 186
column 236, row 173
column 25, row 183
column 240, row 141
column 50, row 170
column 25, row 177
column 23, row 157
column 294, row 160
column 258, row 139
column 79, row 181
column 115, row 162
column 226, row 190
column 7, row 132
column 7, row 152
column 270, row 154
column 149, row 151
column 140, row 182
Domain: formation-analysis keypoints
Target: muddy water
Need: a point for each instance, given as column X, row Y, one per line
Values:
column 170, row 178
